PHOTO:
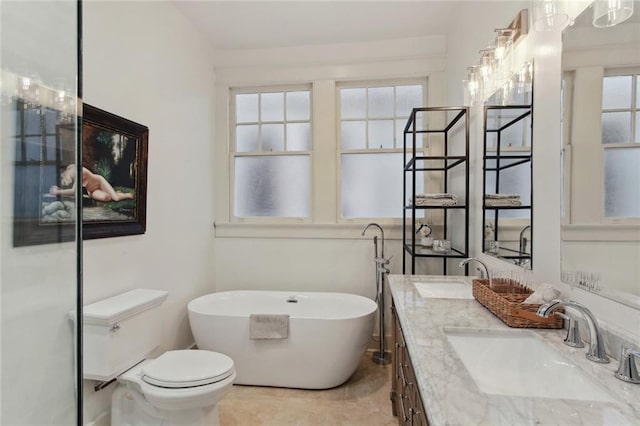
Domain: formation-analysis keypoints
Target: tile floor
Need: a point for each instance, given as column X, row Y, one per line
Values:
column 362, row 400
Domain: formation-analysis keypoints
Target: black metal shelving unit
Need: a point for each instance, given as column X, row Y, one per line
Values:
column 456, row 121
column 502, row 161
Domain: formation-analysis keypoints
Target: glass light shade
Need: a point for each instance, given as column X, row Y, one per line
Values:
column 503, row 56
column 549, row 15
column 607, row 13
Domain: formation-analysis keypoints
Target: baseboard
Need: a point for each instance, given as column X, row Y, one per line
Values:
column 104, row 419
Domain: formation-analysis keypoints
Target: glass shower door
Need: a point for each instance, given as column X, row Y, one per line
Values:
column 39, row 245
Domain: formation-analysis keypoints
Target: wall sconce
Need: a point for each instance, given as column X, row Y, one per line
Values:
column 549, row 14
column 607, row 13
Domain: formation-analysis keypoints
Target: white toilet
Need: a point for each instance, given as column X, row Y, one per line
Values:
column 179, row 387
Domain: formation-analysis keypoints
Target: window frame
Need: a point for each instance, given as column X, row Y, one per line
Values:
column 398, row 145
column 233, row 153
column 631, row 144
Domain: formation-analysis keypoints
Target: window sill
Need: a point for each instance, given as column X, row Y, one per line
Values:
column 303, row 230
column 601, row 232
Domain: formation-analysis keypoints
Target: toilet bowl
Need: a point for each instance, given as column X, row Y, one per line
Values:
column 179, row 387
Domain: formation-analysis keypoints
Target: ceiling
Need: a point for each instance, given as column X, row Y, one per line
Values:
column 268, row 24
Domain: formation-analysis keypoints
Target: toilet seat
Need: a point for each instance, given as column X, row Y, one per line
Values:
column 187, row 368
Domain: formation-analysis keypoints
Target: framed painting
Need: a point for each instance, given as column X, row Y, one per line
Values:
column 113, row 176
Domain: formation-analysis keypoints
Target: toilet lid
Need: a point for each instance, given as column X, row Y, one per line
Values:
column 187, row 368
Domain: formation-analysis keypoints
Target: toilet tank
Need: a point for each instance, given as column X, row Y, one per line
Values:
column 120, row 331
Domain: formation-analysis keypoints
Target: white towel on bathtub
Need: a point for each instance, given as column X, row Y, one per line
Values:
column 268, row 326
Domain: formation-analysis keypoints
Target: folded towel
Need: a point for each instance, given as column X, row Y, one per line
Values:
column 268, row 326
column 442, row 202
column 502, row 203
column 436, row 196
column 501, row 196
column 543, row 294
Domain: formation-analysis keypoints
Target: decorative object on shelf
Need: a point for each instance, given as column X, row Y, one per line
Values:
column 495, row 61
column 549, row 15
column 607, row 13
column 425, row 232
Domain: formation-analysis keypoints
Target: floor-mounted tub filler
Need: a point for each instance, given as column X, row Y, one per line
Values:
column 325, row 336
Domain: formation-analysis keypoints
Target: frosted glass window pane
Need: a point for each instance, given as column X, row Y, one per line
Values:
column 616, row 92
column 380, row 134
column 298, row 105
column 272, row 107
column 51, row 120
column 353, row 103
column 371, row 185
column 407, row 98
column 33, row 146
column 515, row 180
column 381, row 102
column 616, row 127
column 247, row 108
column 400, row 124
column 32, row 122
column 637, row 127
column 298, row 137
column 353, row 134
column 246, row 138
column 276, row 186
column 622, row 182
column 273, row 137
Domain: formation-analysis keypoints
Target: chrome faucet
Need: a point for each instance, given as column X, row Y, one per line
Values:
column 381, row 235
column 522, row 245
column 597, row 351
column 486, row 270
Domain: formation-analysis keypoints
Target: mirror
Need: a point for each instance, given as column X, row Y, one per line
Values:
column 601, row 154
column 507, row 179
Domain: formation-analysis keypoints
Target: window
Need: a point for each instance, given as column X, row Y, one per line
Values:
column 271, row 152
column 372, row 117
column 621, row 144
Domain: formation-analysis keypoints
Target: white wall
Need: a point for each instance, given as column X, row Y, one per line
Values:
column 144, row 61
column 479, row 20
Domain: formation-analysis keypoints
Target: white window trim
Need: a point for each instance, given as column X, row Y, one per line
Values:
column 233, row 153
column 424, row 81
column 635, row 108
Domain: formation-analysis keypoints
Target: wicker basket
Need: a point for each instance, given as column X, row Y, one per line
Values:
column 505, row 299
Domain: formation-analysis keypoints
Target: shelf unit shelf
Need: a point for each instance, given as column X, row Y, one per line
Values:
column 453, row 133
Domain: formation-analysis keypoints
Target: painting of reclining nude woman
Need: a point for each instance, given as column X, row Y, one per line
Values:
column 112, row 178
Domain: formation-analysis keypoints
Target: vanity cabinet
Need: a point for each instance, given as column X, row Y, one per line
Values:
column 436, row 161
column 405, row 397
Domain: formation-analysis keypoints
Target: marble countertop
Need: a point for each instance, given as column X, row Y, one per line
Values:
column 450, row 394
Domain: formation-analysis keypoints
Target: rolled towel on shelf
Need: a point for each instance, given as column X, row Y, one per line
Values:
column 268, row 326
column 543, row 294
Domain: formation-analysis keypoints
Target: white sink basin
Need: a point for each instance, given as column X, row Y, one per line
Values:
column 517, row 363
column 444, row 289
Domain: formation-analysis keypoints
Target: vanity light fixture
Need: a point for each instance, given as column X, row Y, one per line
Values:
column 549, row 15
column 607, row 13
column 495, row 61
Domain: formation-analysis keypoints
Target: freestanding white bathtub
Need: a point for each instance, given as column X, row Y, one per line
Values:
column 328, row 334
